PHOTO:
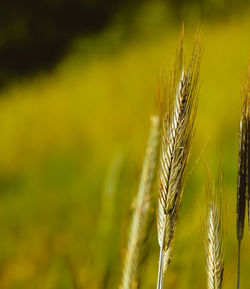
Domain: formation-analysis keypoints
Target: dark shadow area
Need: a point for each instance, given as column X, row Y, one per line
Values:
column 35, row 35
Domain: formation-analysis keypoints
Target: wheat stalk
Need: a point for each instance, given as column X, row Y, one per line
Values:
column 142, row 215
column 179, row 111
column 214, row 247
column 242, row 168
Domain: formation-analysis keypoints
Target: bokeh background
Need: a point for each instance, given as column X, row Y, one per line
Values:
column 78, row 83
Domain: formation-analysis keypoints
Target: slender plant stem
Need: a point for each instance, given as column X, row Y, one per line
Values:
column 160, row 271
column 238, row 278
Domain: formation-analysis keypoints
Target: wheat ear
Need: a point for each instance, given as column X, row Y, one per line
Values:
column 242, row 169
column 247, row 92
column 214, row 247
column 142, row 214
column 178, row 116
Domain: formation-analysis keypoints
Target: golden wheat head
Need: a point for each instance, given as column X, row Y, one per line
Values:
column 214, row 236
column 179, row 108
column 142, row 215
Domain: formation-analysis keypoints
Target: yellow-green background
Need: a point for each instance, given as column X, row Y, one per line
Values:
column 71, row 149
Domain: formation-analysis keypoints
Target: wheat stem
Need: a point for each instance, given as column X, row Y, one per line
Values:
column 238, row 275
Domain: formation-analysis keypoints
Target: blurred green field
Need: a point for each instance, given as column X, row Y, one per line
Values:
column 71, row 150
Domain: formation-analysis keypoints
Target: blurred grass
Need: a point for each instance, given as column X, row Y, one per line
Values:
column 71, row 150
